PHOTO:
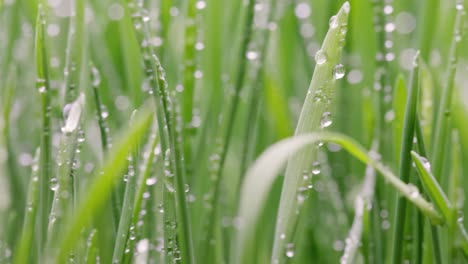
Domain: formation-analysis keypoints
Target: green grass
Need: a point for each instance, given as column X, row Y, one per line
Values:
column 257, row 131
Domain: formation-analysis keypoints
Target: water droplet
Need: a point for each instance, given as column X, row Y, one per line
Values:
column 389, row 27
column 151, row 181
column 316, row 168
column 326, row 120
column 302, row 10
column 426, row 163
column 252, row 55
column 160, row 208
column 346, row 7
column 320, row 57
column 200, row 5
column 290, row 250
column 338, row 71
column 333, row 22
column 53, row 184
column 388, row 9
column 413, row 191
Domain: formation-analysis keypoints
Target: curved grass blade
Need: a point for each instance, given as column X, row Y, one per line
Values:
column 101, row 185
column 263, row 172
column 43, row 86
column 440, row 199
column 431, row 185
column 314, row 116
column 24, row 246
column 404, row 168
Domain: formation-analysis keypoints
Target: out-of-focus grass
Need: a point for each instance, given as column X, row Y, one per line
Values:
column 224, row 81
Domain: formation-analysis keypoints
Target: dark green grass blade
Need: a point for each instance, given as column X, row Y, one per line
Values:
column 405, row 160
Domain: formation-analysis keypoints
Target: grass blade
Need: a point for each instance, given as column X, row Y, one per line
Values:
column 62, row 183
column 314, row 116
column 91, row 248
column 361, row 203
column 440, row 199
column 442, row 123
column 101, row 185
column 43, row 86
column 262, row 173
column 25, row 242
column 102, row 115
column 405, row 159
column 431, row 185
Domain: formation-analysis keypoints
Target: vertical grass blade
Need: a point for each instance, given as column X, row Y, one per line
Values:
column 144, row 182
column 101, row 186
column 314, row 116
column 62, row 182
column 225, row 135
column 106, row 143
column 43, row 86
column 442, row 124
column 361, row 203
column 405, row 159
column 92, row 254
column 24, row 247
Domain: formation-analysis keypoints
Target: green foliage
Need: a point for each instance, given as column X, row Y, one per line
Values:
column 163, row 131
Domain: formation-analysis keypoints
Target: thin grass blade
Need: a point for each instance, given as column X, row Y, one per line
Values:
column 101, row 185
column 315, row 115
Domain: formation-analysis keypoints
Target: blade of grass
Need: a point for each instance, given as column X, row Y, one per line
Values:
column 144, row 182
column 228, row 127
column 124, row 229
column 169, row 123
column 405, row 160
column 43, row 86
column 101, row 185
column 430, row 183
column 62, row 184
column 361, row 203
column 24, row 247
column 437, row 194
column 189, row 76
column 75, row 52
column 106, row 144
column 92, row 253
column 314, row 116
column 442, row 123
column 263, row 172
